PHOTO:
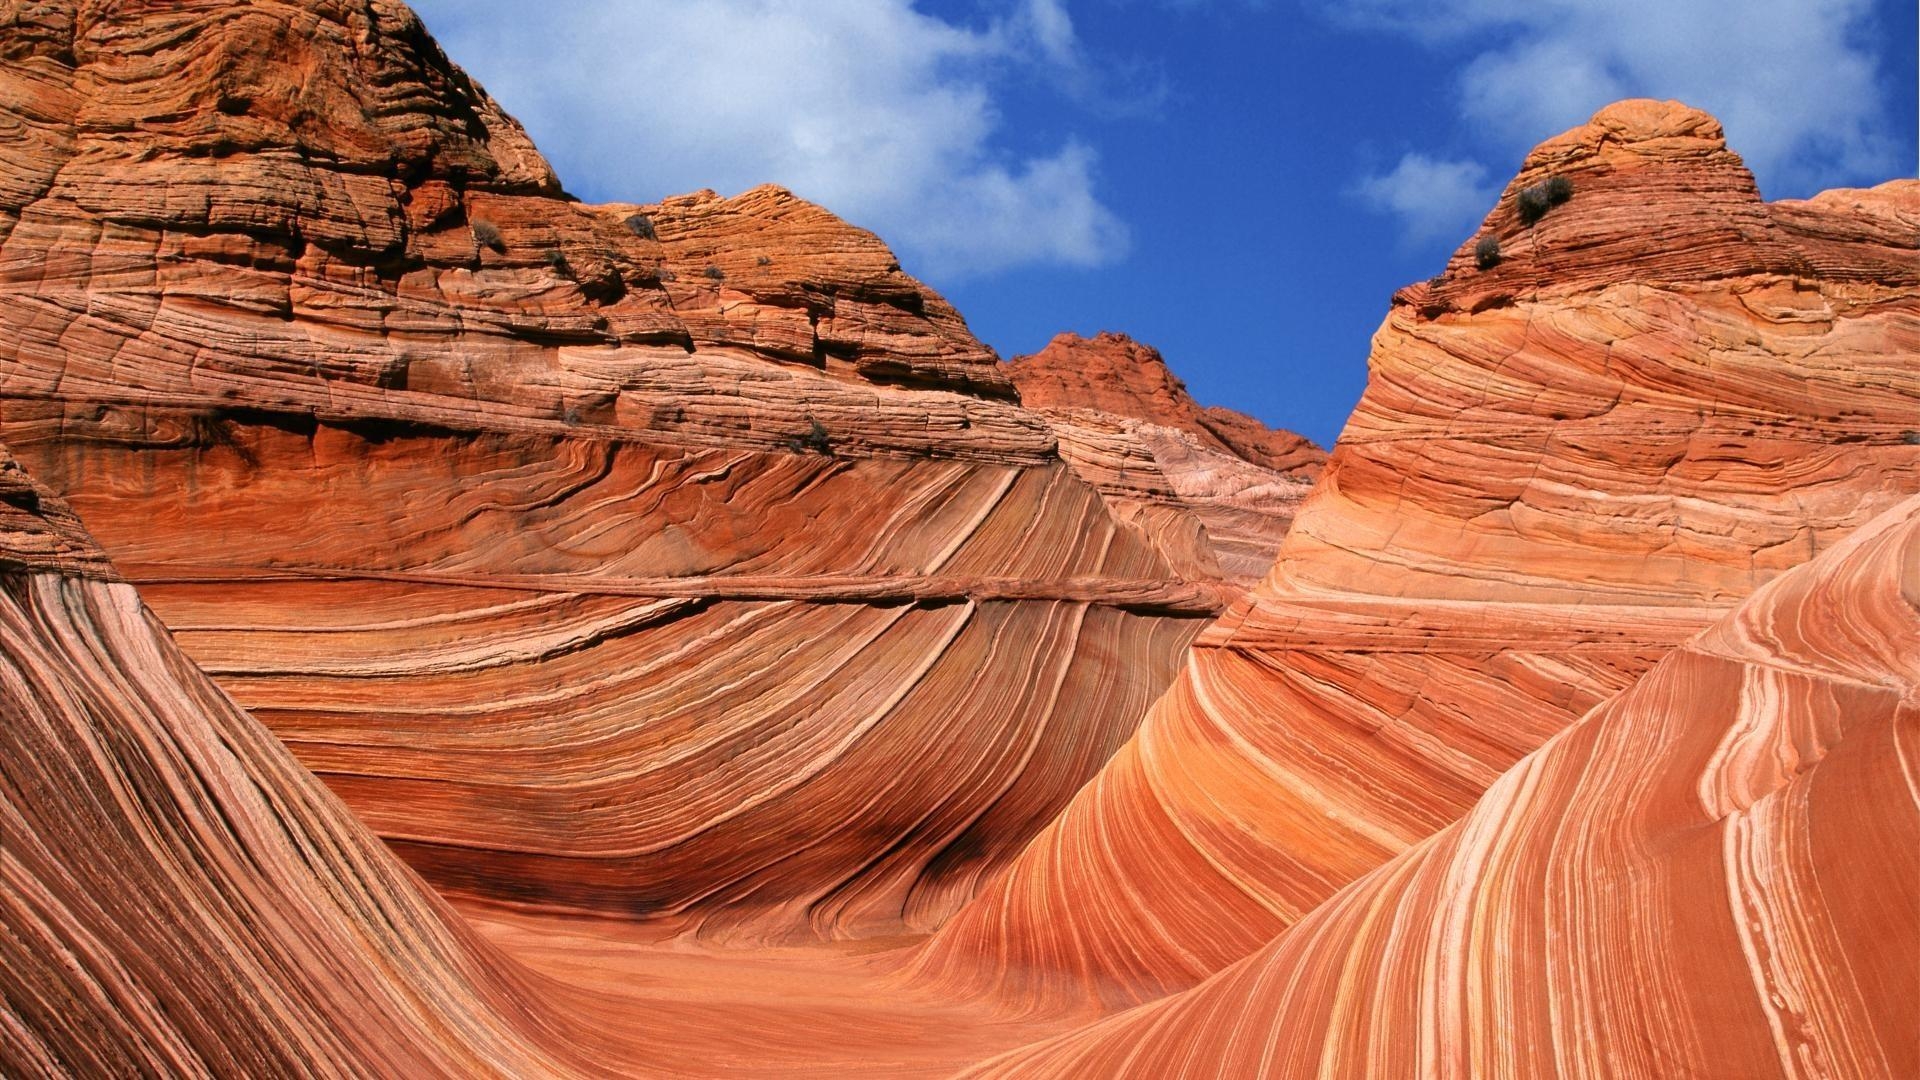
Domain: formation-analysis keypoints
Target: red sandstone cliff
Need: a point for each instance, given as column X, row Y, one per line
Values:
column 691, row 565
column 1667, row 392
column 622, row 558
column 1215, row 490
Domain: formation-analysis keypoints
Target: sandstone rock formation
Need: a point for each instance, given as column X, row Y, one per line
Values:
column 1214, row 489
column 624, row 558
column 178, row 895
column 1709, row 875
column 655, row 578
column 1667, row 392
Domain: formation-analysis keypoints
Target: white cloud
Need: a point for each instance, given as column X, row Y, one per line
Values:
column 879, row 112
column 1793, row 81
column 1436, row 199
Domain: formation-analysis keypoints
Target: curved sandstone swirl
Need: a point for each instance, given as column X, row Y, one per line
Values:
column 1667, row 392
column 1710, row 875
column 180, row 897
column 686, row 559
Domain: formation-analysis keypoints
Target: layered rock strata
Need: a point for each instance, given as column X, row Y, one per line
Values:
column 1214, row 490
column 634, row 559
column 177, row 894
column 1666, row 392
column 1709, row 875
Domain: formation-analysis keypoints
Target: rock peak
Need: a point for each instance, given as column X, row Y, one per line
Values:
column 1113, row 373
column 1638, row 120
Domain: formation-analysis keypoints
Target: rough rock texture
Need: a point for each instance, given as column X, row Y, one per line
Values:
column 1112, row 373
column 1213, row 490
column 1710, row 875
column 1667, row 392
column 623, row 558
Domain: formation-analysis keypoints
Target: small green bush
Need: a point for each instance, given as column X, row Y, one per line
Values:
column 1486, row 253
column 488, row 234
column 714, row 273
column 641, row 226
column 815, row 440
column 1535, row 200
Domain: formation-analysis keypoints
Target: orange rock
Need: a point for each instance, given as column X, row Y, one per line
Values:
column 1214, row 491
column 1680, row 392
column 1709, row 875
column 618, row 558
column 690, row 564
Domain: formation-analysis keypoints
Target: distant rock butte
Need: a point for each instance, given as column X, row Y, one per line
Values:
column 654, row 578
column 1128, row 426
column 1113, row 373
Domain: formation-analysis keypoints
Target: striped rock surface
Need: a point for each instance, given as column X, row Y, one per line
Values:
column 685, row 560
column 1710, row 875
column 1666, row 393
column 178, row 896
column 1215, row 490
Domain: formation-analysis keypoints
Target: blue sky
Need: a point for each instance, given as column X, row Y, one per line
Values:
column 1242, row 183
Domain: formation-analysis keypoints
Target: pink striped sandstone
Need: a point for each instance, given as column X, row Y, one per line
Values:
column 635, row 566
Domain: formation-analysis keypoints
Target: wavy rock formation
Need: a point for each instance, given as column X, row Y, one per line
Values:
column 1214, row 490
column 1709, row 875
column 180, row 897
column 177, row 894
column 623, row 558
column 1666, row 392
column 651, row 576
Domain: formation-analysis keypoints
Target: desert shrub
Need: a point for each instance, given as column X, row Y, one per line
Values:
column 1911, row 438
column 641, row 226
column 815, row 440
column 763, row 261
column 488, row 234
column 1536, row 199
column 1486, row 253
column 714, row 273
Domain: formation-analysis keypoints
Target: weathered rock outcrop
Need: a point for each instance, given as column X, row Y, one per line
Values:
column 1213, row 490
column 1665, row 393
column 1710, row 875
column 626, row 558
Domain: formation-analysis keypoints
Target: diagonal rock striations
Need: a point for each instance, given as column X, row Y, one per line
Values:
column 177, row 894
column 1709, row 875
column 1666, row 392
